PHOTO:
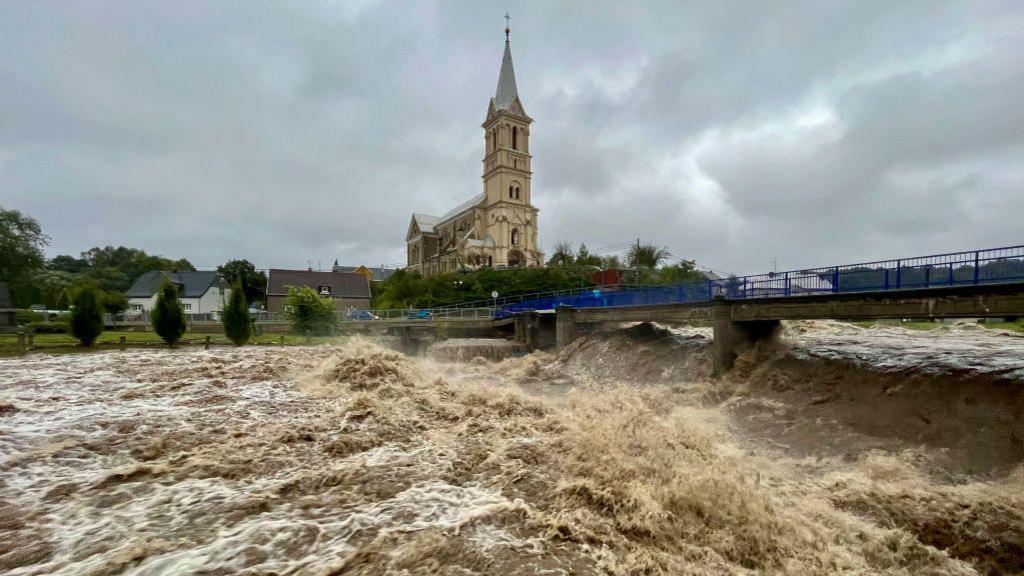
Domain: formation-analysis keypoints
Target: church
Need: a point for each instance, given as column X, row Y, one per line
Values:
column 498, row 227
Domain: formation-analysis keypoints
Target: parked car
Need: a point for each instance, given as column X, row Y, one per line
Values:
column 355, row 314
column 419, row 315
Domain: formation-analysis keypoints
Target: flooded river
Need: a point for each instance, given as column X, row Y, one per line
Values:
column 846, row 450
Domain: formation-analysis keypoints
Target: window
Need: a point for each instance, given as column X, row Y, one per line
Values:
column 324, row 290
column 515, row 132
column 517, row 192
column 136, row 307
column 515, row 236
column 187, row 307
column 512, row 192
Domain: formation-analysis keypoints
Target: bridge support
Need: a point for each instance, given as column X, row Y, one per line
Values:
column 732, row 337
column 527, row 324
column 566, row 330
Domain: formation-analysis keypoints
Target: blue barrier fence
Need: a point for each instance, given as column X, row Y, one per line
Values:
column 990, row 266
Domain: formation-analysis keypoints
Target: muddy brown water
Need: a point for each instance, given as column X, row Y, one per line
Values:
column 846, row 450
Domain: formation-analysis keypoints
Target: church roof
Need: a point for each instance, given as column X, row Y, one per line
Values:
column 462, row 207
column 506, row 93
column 426, row 223
column 506, row 96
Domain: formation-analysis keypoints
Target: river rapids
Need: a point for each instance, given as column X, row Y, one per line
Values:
column 844, row 450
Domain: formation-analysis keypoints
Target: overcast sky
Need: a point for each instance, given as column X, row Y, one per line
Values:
column 734, row 133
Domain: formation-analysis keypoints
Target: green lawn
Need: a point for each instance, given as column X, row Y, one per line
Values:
column 9, row 342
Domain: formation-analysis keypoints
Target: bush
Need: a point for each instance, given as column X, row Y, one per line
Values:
column 48, row 327
column 22, row 317
column 167, row 316
column 115, row 302
column 310, row 313
column 87, row 316
column 237, row 324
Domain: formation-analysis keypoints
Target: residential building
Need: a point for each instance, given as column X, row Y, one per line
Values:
column 347, row 289
column 200, row 292
column 375, row 274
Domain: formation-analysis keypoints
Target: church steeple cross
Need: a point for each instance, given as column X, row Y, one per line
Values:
column 507, row 18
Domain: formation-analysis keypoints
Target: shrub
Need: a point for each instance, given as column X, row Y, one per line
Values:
column 48, row 327
column 87, row 316
column 237, row 324
column 115, row 302
column 167, row 316
column 24, row 316
column 310, row 313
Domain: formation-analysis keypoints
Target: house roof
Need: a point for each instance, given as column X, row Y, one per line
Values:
column 379, row 274
column 343, row 284
column 191, row 284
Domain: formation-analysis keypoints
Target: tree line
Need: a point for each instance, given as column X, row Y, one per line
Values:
column 54, row 282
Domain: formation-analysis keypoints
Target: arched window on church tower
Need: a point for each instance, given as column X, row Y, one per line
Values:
column 515, row 132
column 517, row 192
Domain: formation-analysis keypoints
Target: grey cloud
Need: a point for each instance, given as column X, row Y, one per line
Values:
column 286, row 133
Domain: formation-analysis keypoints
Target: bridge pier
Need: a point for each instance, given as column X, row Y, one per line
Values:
column 732, row 337
column 566, row 330
column 527, row 325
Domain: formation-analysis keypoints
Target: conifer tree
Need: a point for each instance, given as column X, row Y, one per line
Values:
column 237, row 324
column 87, row 316
column 167, row 316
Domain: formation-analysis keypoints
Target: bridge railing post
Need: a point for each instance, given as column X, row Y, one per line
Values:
column 977, row 270
column 835, row 280
column 787, row 289
column 899, row 274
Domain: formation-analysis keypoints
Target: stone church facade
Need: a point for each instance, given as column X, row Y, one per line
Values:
column 498, row 227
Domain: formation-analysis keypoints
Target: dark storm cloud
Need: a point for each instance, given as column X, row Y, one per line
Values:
column 285, row 132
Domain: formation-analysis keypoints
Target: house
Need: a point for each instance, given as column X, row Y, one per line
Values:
column 200, row 292
column 346, row 289
column 374, row 274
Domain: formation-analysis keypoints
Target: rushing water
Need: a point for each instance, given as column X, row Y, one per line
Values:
column 617, row 456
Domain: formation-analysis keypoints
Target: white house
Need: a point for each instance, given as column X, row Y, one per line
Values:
column 199, row 292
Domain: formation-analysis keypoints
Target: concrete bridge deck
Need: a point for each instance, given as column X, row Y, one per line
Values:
column 739, row 323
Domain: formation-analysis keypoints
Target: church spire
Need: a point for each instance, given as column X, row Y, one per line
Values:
column 506, row 93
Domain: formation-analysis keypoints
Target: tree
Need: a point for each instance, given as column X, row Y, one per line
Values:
column 21, row 251
column 115, row 302
column 254, row 282
column 87, row 316
column 237, row 324
column 684, row 271
column 167, row 316
column 310, row 313
column 585, row 258
column 562, row 254
column 65, row 263
column 114, row 269
column 647, row 255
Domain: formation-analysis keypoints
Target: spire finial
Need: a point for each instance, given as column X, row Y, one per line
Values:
column 507, row 18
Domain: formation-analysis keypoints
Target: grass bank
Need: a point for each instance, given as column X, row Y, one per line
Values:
column 108, row 340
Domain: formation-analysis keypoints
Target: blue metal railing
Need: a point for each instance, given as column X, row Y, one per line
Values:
column 990, row 266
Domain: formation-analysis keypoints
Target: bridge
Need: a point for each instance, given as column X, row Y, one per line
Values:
column 742, row 310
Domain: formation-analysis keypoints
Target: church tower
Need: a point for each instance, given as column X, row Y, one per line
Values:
column 511, row 217
column 498, row 227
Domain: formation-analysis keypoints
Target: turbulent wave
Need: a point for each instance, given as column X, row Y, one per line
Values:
column 617, row 455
